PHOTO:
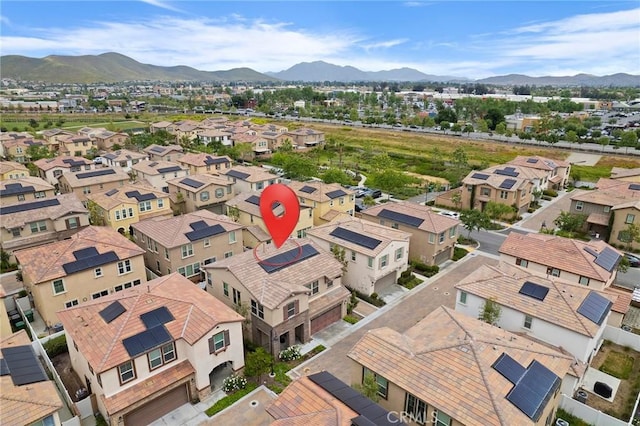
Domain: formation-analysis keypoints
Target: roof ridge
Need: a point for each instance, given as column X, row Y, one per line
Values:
column 55, row 262
column 186, row 321
column 573, row 311
column 10, row 397
column 483, row 375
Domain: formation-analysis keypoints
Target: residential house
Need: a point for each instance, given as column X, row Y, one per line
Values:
column 274, row 141
column 28, row 396
column 306, row 138
column 32, row 223
column 325, row 198
column 27, row 188
column 92, row 263
column 50, row 169
column 17, row 149
column 451, row 369
column 85, row 183
column 12, row 170
column 208, row 135
column 52, row 136
column 124, row 159
column 164, row 152
column 245, row 209
column 165, row 126
column 433, row 236
column 157, row 173
column 628, row 175
column 200, row 192
column 249, row 178
column 76, row 145
column 202, row 163
column 292, row 292
column 565, row 315
column 186, row 243
column 150, row 349
column 593, row 264
column 119, row 208
column 186, row 130
column 106, row 139
column 375, row 255
column 557, row 171
column 538, row 177
column 625, row 215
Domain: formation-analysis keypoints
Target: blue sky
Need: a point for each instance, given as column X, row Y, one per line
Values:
column 473, row 39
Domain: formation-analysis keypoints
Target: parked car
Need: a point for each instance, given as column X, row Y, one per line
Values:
column 634, row 261
column 454, row 215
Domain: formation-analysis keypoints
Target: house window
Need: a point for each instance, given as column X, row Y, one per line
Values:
column 166, row 253
column 314, row 287
column 384, row 260
column 432, row 238
column 86, row 190
column 162, row 355
column 290, row 310
column 39, row 226
column 394, row 225
column 584, row 281
column 144, row 206
column 463, row 297
column 58, row 287
column 127, row 373
column 228, row 254
column 554, row 272
column 219, row 342
column 72, row 223
column 204, row 196
column 370, row 262
column 71, row 303
column 415, row 409
column 97, row 272
column 504, row 195
column 527, row 322
column 209, row 260
column 160, row 203
column 257, row 309
column 441, row 238
column 630, row 218
column 485, row 192
column 441, row 419
column 353, row 256
column 607, row 209
column 118, row 215
column 225, row 289
column 232, row 237
column 452, row 232
column 219, row 193
column 207, row 242
column 99, row 294
column 15, row 232
column 237, row 297
column 329, row 283
column 259, row 185
column 579, row 206
column 124, row 267
column 187, row 250
column 383, row 384
column 399, row 253
column 341, row 201
column 522, row 262
column 20, row 197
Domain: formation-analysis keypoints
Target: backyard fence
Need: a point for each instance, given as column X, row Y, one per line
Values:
column 622, row 338
column 588, row 414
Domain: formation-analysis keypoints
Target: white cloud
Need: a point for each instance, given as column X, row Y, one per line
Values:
column 161, row 4
column 384, row 44
column 4, row 20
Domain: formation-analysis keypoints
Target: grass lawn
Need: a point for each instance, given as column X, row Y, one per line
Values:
column 573, row 420
column 618, row 365
column 230, row 399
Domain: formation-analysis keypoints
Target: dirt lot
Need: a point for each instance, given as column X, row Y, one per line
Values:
column 71, row 381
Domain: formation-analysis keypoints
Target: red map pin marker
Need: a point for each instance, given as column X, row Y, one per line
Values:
column 280, row 227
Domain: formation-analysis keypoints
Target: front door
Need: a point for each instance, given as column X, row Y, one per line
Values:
column 284, row 341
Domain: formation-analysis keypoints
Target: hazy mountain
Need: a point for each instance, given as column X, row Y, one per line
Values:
column 111, row 67
column 620, row 80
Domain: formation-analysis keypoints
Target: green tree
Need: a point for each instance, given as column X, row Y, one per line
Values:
column 604, row 141
column 335, row 175
column 468, row 129
column 368, row 387
column 456, row 128
column 33, row 123
column 381, row 162
column 497, row 211
column 257, row 363
column 233, row 212
column 36, row 152
column 459, row 158
column 490, row 312
column 95, row 213
column 570, row 222
column 369, row 201
column 493, row 117
column 571, row 136
column 474, row 220
column 628, row 139
column 630, row 235
column 483, row 126
column 456, row 199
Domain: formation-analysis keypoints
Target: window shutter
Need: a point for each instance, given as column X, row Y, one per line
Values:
column 66, row 221
column 211, row 345
column 227, row 342
column 284, row 312
column 296, row 307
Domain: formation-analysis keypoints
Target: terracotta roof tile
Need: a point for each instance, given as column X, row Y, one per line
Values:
column 432, row 222
column 115, row 197
column 320, row 194
column 69, row 203
column 49, row 163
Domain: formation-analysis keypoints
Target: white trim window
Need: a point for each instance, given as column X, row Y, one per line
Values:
column 528, row 321
column 58, row 287
column 99, row 294
column 399, row 253
column 124, row 267
column 232, row 237
column 126, row 372
column 187, row 250
column 384, row 261
column 71, row 303
column 98, row 272
column 144, row 206
column 579, row 206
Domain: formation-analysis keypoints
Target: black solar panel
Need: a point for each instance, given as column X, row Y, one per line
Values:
column 156, row 317
column 217, row 160
column 146, row 340
column 507, row 172
column 111, row 192
column 534, row 290
column 157, row 149
column 400, row 217
column 508, row 183
column 29, row 206
column 85, row 253
column 72, row 162
column 308, row 189
column 111, row 312
column 102, row 172
column 356, row 238
column 591, row 251
column 335, row 194
column 634, row 187
column 254, row 199
column 200, row 224
column 192, row 183
column 480, row 176
column 140, row 197
column 532, row 392
column 362, row 421
column 237, row 174
column 153, row 164
column 209, row 231
column 288, row 258
column 595, row 307
column 16, row 189
column 509, row 368
column 169, row 169
column 4, row 368
column 532, row 160
column 608, row 259
column 23, row 365
column 90, row 262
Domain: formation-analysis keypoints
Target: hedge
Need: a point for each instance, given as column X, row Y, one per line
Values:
column 56, row 346
column 229, row 400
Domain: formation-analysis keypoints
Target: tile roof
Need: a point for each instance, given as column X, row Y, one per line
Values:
column 256, row 174
column 621, row 172
column 63, row 161
column 610, row 192
column 495, row 180
column 272, row 289
column 154, row 167
column 114, row 197
column 522, row 171
column 542, row 163
column 322, row 189
column 432, row 222
column 202, row 159
column 46, row 262
column 258, row 233
column 560, row 306
column 74, row 181
column 446, row 360
column 565, row 254
column 170, row 232
column 241, row 202
column 162, row 150
column 25, row 404
column 67, row 204
column 195, row 313
column 9, row 166
column 124, row 155
column 37, row 183
column 205, row 179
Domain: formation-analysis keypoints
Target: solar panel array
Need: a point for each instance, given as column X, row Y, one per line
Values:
column 534, row 290
column 608, row 259
column 534, row 390
column 508, row 183
column 369, row 412
column 29, row 206
column 192, row 183
column 634, row 187
column 140, row 197
column 209, row 160
column 146, row 340
column 591, row 251
column 159, row 316
column 507, row 171
column 288, row 258
column 16, row 189
column 509, row 368
column 335, row 194
column 85, row 253
column 102, row 172
column 532, row 160
column 238, row 174
column 169, row 169
column 595, row 307
column 355, row 238
column 200, row 224
column 480, row 176
column 209, row 231
column 400, row 217
column 111, row 192
column 111, row 312
column 90, row 262
column 254, row 199
column 157, row 149
column 308, row 189
column 72, row 162
column 23, row 365
column 4, row 368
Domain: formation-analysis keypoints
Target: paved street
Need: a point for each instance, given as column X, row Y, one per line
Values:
column 399, row 316
column 629, row 279
column 547, row 213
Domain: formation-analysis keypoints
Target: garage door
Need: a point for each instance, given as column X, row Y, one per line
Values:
column 326, row 319
column 158, row 407
column 442, row 256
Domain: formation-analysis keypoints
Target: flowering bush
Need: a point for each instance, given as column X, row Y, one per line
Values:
column 290, row 354
column 233, row 383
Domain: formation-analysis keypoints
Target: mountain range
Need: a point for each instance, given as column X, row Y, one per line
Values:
column 114, row 67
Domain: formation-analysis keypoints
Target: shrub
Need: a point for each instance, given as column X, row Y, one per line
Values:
column 290, row 354
column 550, row 193
column 234, row 383
column 369, row 299
column 229, row 400
column 56, row 346
column 317, row 350
column 374, row 296
column 459, row 253
column 249, row 346
column 424, row 269
column 350, row 319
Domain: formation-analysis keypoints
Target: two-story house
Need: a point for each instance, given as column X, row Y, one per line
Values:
column 151, row 349
column 186, row 243
column 85, row 183
column 92, row 263
column 593, row 264
column 12, row 170
column 273, row 141
column 625, row 174
column 32, row 223
column 565, row 315
column 17, row 149
column 209, row 135
column 480, row 188
column 306, row 138
column 29, row 188
column 197, row 192
column 106, row 139
column 164, row 152
column 76, row 145
column 375, row 255
column 52, row 136
column 433, row 236
column 557, row 171
column 161, row 126
column 624, row 216
column 249, row 178
column 124, row 159
column 158, row 173
column 50, row 169
column 202, row 163
column 292, row 292
column 326, row 199
column 452, row 370
column 119, row 208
